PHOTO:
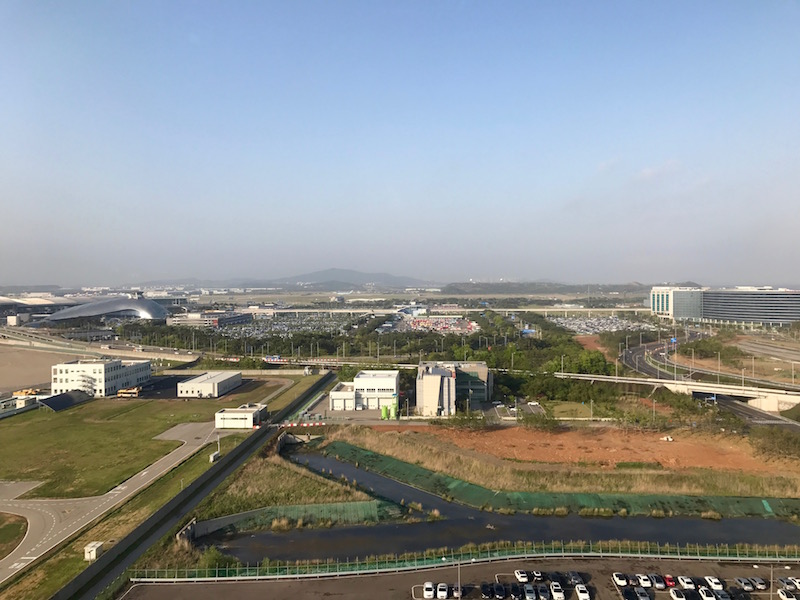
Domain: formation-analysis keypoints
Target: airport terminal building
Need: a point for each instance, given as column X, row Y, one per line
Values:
column 747, row 305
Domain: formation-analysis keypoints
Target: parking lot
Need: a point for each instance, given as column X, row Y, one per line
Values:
column 597, row 575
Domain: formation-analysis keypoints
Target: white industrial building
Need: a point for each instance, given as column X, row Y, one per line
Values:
column 436, row 390
column 246, row 416
column 368, row 390
column 210, row 385
column 100, row 377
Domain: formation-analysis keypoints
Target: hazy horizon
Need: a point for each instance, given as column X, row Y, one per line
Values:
column 573, row 142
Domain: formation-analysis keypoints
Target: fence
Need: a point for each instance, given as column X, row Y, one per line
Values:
column 446, row 557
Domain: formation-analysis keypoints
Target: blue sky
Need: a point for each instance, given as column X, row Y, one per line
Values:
column 574, row 141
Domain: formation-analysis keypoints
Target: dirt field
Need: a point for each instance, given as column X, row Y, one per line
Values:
column 21, row 368
column 607, row 447
column 592, row 342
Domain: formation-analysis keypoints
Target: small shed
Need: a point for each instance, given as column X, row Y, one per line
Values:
column 92, row 551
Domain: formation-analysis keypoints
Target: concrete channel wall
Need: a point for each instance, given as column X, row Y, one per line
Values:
column 80, row 585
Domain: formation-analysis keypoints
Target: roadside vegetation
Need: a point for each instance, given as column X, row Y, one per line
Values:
column 270, row 480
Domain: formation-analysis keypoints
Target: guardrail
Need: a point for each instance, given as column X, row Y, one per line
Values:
column 436, row 559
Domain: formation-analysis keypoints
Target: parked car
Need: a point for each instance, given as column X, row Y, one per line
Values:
column 530, row 593
column 641, row 593
column 499, row 591
column 574, row 578
column 486, row 590
column 759, row 583
column 685, row 582
column 522, row 576
column 556, row 591
column 582, row 592
column 543, row 591
column 537, row 575
column 658, row 581
column 669, row 580
column 785, row 594
column 795, row 581
column 676, row 594
column 745, row 584
column 428, row 591
column 441, row 591
column 643, row 580
column 786, row 583
column 705, row 593
column 458, row 592
column 714, row 583
column 619, row 579
column 516, row 591
column 722, row 595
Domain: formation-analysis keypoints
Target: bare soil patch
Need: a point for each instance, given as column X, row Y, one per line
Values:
column 605, row 447
column 23, row 368
column 592, row 342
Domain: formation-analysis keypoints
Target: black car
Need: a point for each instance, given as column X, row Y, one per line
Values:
column 574, row 578
column 486, row 590
column 516, row 591
column 499, row 591
column 629, row 594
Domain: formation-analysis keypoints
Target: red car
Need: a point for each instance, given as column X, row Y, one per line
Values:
column 669, row 580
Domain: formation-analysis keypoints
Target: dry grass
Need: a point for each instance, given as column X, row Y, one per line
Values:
column 273, row 481
column 428, row 452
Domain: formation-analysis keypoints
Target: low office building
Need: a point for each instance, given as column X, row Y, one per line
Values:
column 369, row 390
column 211, row 319
column 246, row 416
column 441, row 383
column 99, row 378
column 210, row 385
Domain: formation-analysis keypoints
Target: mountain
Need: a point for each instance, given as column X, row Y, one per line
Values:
column 349, row 278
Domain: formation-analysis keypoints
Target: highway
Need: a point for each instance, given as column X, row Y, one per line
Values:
column 52, row 521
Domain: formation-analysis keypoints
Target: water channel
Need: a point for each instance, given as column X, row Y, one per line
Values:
column 462, row 525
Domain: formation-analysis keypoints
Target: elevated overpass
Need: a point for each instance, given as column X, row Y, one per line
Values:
column 763, row 398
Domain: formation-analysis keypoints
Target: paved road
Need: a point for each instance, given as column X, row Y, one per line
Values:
column 52, row 521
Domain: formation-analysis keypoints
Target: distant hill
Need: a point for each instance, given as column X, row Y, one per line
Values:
column 350, row 278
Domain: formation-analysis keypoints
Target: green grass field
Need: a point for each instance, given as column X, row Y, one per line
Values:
column 89, row 449
column 12, row 530
column 47, row 578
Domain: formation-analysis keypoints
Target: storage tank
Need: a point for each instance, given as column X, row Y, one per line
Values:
column 394, row 412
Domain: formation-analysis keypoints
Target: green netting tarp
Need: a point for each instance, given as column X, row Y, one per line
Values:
column 635, row 504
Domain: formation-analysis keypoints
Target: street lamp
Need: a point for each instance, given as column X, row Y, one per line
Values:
column 719, row 366
column 743, row 370
column 792, row 372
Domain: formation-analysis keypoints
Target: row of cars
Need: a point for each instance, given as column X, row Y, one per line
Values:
column 708, row 588
column 528, row 585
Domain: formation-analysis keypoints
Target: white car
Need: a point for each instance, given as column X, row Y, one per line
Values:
column 441, row 591
column 758, row 583
column 685, row 582
column 795, row 581
column 644, row 580
column 619, row 579
column 556, row 591
column 705, row 593
column 714, row 583
column 786, row 583
column 428, row 591
column 785, row 595
column 676, row 594
column 522, row 576
column 582, row 592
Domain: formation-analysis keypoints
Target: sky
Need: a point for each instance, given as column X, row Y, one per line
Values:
column 574, row 141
